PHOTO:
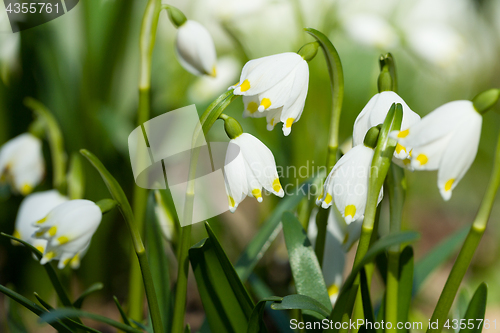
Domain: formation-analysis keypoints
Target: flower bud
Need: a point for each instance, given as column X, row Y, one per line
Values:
column 486, row 100
column 371, row 137
column 195, row 49
column 309, row 51
column 176, row 16
column 231, row 126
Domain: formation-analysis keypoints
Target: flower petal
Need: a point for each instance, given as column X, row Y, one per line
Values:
column 459, row 154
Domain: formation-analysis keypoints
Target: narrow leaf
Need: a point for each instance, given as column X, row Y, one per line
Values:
column 33, row 307
column 256, row 324
column 76, row 178
column 158, row 261
column 62, row 313
column 49, row 269
column 122, row 313
column 93, row 288
column 476, row 310
column 227, row 305
column 301, row 302
column 343, row 305
column 366, row 299
column 268, row 232
column 405, row 284
column 438, row 255
column 305, row 267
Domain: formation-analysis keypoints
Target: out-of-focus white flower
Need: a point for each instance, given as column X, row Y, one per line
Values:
column 274, row 87
column 371, row 30
column 445, row 140
column 206, row 88
column 9, row 45
column 68, row 228
column 339, row 239
column 21, row 163
column 437, row 43
column 249, row 169
column 374, row 113
column 195, row 49
column 33, row 208
column 347, row 184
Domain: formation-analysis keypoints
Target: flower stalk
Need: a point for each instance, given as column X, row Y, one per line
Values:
column 468, row 249
column 336, row 74
column 207, row 119
column 147, row 40
column 126, row 210
column 56, row 142
column 378, row 171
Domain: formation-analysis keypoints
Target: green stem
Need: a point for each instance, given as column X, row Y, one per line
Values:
column 337, row 85
column 395, row 187
column 378, row 171
column 119, row 196
column 147, row 40
column 56, row 142
column 468, row 249
column 207, row 119
column 336, row 75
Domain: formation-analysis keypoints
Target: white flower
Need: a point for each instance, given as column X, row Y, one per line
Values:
column 276, row 84
column 347, row 184
column 249, row 169
column 21, row 163
column 445, row 140
column 68, row 228
column 374, row 113
column 339, row 239
column 371, row 30
column 195, row 49
column 33, row 208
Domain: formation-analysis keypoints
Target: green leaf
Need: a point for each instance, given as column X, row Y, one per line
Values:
column 227, row 305
column 46, row 305
column 93, row 288
column 438, row 256
column 122, row 313
column 268, row 232
column 366, row 299
column 49, row 269
column 55, row 139
column 14, row 320
column 405, row 284
column 63, row 313
column 343, row 306
column 33, row 307
column 158, row 261
column 280, row 319
column 76, row 178
column 255, row 323
column 187, row 329
column 301, row 302
column 306, row 270
column 476, row 309
column 378, row 247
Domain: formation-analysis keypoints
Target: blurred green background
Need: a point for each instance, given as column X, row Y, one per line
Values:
column 84, row 67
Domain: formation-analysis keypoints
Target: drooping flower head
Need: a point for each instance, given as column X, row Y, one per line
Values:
column 347, row 183
column 22, row 163
column 249, row 167
column 445, row 140
column 274, row 87
column 68, row 229
column 33, row 208
column 374, row 114
column 195, row 49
